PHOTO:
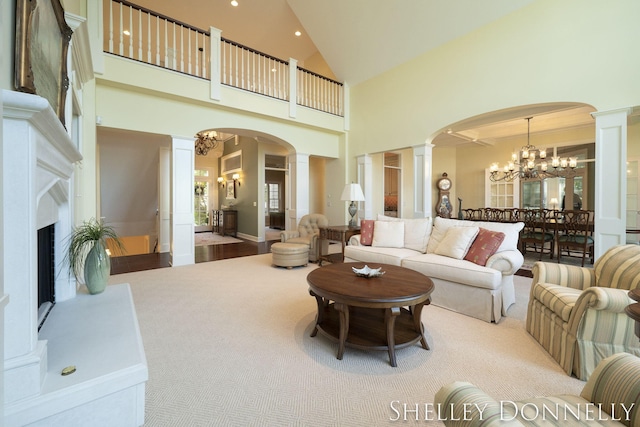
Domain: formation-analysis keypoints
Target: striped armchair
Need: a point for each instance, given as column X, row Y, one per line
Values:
column 614, row 387
column 577, row 314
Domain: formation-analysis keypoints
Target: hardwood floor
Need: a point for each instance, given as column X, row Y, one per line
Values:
column 128, row 264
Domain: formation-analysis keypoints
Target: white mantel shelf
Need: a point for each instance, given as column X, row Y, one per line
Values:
column 100, row 336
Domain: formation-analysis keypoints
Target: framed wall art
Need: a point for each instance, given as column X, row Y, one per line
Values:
column 42, row 43
column 231, row 189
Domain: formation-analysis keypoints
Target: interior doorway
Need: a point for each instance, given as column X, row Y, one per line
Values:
column 274, row 195
column 633, row 201
column 201, row 201
column 392, row 184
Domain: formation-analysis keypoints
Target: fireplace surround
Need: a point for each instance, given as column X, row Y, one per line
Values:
column 37, row 179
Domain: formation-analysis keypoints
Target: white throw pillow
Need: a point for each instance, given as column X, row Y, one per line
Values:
column 441, row 225
column 416, row 231
column 388, row 234
column 457, row 241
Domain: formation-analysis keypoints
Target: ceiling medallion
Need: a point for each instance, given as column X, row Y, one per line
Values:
column 205, row 141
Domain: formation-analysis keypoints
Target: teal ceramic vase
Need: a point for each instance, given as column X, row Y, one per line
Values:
column 97, row 267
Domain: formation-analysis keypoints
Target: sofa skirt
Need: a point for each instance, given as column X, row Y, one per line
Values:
column 481, row 303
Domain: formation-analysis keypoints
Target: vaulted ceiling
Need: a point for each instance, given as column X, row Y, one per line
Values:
column 359, row 39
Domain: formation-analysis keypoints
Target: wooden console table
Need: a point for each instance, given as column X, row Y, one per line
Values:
column 225, row 222
column 337, row 233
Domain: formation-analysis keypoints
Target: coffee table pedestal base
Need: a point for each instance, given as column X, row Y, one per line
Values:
column 370, row 328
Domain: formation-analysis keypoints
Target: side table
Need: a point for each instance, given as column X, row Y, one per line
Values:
column 338, row 233
column 633, row 310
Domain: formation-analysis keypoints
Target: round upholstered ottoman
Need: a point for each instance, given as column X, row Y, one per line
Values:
column 289, row 254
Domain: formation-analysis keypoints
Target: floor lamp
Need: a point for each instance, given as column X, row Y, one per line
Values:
column 353, row 193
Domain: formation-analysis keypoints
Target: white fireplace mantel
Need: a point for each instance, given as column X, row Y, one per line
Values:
column 36, row 190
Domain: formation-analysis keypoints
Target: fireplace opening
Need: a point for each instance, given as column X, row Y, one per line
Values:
column 46, row 272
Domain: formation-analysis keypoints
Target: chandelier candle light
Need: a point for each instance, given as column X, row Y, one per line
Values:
column 523, row 165
column 352, row 192
column 205, row 141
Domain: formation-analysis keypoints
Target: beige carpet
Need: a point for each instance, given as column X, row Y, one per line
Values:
column 209, row 238
column 227, row 343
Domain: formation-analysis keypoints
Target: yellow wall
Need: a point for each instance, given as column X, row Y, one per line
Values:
column 550, row 51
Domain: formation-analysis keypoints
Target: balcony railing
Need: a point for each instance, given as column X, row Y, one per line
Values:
column 141, row 34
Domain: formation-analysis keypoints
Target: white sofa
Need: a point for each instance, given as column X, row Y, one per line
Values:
column 484, row 292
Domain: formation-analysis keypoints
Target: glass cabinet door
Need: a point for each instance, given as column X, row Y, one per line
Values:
column 501, row 194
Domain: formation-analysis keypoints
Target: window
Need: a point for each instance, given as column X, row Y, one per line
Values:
column 273, row 197
column 201, row 203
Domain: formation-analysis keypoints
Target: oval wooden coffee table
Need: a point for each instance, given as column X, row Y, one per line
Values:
column 378, row 313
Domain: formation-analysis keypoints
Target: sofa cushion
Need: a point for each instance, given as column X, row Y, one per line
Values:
column 457, row 241
column 454, row 270
column 388, row 234
column 486, row 244
column 511, row 231
column 366, row 231
column 416, row 231
column 376, row 255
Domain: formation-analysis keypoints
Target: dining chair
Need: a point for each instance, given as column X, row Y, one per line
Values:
column 496, row 215
column 574, row 235
column 472, row 214
column 535, row 232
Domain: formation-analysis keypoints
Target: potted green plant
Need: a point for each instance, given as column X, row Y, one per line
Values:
column 87, row 254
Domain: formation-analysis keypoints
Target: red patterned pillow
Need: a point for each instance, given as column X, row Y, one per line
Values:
column 486, row 244
column 366, row 232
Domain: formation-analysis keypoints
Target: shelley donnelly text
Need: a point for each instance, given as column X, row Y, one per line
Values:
column 509, row 410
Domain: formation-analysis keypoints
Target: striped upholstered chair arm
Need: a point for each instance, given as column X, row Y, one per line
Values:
column 570, row 276
column 599, row 299
column 616, row 381
column 459, row 403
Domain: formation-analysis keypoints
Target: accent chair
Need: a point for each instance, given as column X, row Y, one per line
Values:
column 614, row 387
column 578, row 314
column 307, row 234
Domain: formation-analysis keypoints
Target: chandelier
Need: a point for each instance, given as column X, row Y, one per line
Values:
column 530, row 164
column 205, row 141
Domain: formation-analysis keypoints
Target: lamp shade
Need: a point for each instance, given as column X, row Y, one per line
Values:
column 352, row 192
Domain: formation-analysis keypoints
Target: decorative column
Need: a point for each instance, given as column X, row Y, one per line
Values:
column 365, row 179
column 182, row 167
column 611, row 183
column 423, row 191
column 299, row 187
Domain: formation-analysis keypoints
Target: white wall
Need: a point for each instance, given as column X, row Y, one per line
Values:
column 149, row 99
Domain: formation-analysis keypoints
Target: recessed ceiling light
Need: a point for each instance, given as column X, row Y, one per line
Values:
column 298, row 33
column 126, row 33
column 234, row 3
